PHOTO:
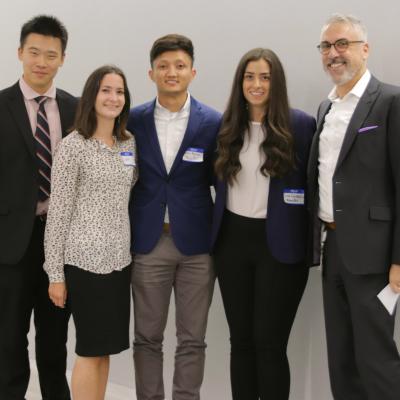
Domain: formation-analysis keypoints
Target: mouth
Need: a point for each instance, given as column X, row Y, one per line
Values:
column 171, row 82
column 257, row 94
column 336, row 63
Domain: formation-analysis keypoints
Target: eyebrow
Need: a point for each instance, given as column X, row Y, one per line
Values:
column 254, row 73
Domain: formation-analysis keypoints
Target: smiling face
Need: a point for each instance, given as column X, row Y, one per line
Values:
column 256, row 85
column 110, row 98
column 172, row 72
column 41, row 56
column 345, row 67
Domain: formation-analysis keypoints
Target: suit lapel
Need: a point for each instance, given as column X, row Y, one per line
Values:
column 65, row 113
column 151, row 133
column 313, row 161
column 360, row 114
column 195, row 119
column 18, row 110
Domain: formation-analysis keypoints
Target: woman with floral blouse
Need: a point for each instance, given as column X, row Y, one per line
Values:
column 87, row 239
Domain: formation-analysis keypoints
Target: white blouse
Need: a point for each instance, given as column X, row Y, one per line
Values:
column 248, row 196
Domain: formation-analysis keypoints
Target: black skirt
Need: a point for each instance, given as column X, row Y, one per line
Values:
column 100, row 307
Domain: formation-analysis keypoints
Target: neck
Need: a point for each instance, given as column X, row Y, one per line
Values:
column 256, row 114
column 38, row 89
column 104, row 130
column 174, row 102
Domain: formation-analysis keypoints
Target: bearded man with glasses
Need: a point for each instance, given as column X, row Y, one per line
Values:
column 354, row 178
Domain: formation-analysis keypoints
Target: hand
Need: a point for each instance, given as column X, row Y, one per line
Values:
column 58, row 293
column 394, row 278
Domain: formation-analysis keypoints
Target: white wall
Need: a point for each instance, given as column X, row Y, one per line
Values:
column 122, row 31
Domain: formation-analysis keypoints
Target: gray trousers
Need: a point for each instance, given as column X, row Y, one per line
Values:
column 153, row 277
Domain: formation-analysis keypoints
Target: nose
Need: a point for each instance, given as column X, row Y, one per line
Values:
column 113, row 96
column 257, row 82
column 41, row 60
column 171, row 71
column 332, row 52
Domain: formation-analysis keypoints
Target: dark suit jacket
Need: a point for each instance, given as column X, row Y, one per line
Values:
column 366, row 182
column 286, row 224
column 18, row 170
column 185, row 189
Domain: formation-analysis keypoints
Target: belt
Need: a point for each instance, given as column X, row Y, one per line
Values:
column 166, row 228
column 330, row 225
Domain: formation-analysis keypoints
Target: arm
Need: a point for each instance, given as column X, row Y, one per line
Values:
column 64, row 184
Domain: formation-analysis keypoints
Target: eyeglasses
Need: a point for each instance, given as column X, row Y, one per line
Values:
column 340, row 45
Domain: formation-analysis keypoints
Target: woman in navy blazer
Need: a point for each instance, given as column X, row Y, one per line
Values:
column 260, row 224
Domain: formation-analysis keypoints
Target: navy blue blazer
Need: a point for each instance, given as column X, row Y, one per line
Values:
column 185, row 189
column 286, row 224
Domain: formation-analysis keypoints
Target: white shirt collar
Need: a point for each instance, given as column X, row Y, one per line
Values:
column 357, row 90
column 161, row 111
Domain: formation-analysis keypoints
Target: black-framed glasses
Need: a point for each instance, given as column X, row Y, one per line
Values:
column 340, row 45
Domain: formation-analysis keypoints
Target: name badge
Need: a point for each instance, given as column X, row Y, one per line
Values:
column 128, row 158
column 293, row 196
column 193, row 154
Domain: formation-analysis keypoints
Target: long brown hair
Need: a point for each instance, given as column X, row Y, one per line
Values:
column 278, row 144
column 85, row 119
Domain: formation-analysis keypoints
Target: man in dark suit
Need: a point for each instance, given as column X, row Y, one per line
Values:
column 354, row 177
column 34, row 116
column 171, row 222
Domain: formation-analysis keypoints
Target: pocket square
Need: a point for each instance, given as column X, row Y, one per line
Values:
column 367, row 128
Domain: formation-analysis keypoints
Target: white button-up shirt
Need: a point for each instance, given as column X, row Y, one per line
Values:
column 171, row 128
column 331, row 140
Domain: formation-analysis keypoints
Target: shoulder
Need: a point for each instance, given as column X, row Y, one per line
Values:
column 128, row 144
column 208, row 111
column 62, row 94
column 302, row 121
column 72, row 143
column 140, row 109
column 10, row 91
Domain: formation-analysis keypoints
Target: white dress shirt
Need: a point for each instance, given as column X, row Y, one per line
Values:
column 248, row 196
column 331, row 140
column 171, row 128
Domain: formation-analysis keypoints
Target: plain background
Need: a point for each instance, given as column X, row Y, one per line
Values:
column 122, row 31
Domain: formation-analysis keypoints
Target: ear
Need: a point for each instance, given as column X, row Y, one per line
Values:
column 62, row 60
column 151, row 73
column 365, row 50
column 20, row 50
column 194, row 72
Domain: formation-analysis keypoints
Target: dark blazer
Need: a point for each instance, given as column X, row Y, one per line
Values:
column 366, row 182
column 185, row 189
column 18, row 170
column 286, row 224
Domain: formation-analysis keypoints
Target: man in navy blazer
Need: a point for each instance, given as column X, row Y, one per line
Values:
column 171, row 211
column 354, row 177
column 23, row 208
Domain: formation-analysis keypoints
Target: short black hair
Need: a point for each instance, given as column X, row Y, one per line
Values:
column 171, row 42
column 46, row 25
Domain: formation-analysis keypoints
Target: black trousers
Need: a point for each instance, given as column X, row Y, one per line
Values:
column 261, row 297
column 364, row 363
column 23, row 288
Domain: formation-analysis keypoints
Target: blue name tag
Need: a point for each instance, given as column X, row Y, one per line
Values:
column 128, row 158
column 293, row 196
column 193, row 154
